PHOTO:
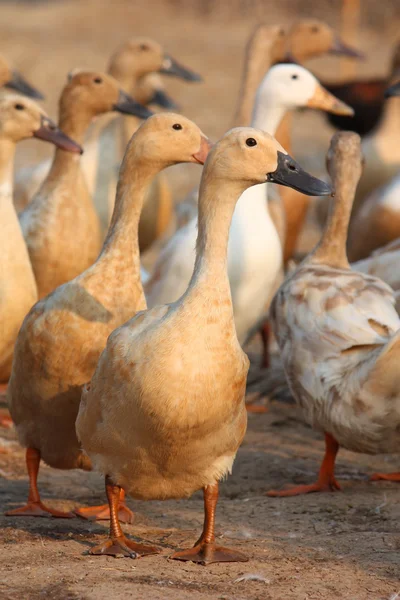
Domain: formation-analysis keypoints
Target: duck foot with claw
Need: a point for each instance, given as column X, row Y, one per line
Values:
column 102, row 513
column 34, row 507
column 385, row 477
column 119, row 545
column 326, row 479
column 205, row 551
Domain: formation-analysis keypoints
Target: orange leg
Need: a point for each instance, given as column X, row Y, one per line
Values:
column 118, row 544
column 326, row 479
column 34, row 506
column 385, row 477
column 265, row 332
column 205, row 551
column 102, row 513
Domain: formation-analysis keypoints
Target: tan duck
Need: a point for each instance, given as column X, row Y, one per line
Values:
column 13, row 80
column 339, row 337
column 64, row 334
column 377, row 222
column 60, row 225
column 20, row 119
column 176, row 373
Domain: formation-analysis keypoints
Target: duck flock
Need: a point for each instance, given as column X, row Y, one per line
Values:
column 141, row 375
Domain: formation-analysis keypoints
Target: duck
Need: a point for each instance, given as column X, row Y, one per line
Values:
column 75, row 320
column 338, row 333
column 60, row 224
column 13, row 80
column 20, row 119
column 175, row 375
column 255, row 250
column 377, row 222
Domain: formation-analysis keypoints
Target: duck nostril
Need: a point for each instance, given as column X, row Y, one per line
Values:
column 291, row 167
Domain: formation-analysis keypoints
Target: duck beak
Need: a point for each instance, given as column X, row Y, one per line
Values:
column 202, row 153
column 160, row 98
column 324, row 100
column 49, row 132
column 342, row 49
column 171, row 67
column 393, row 90
column 289, row 173
column 128, row 106
column 19, row 84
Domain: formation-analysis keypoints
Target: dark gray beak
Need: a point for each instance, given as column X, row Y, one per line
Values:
column 128, row 106
column 171, row 67
column 160, row 98
column 393, row 90
column 342, row 49
column 19, row 84
column 49, row 132
column 290, row 174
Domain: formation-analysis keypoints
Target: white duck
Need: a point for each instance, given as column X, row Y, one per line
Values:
column 164, row 413
column 254, row 252
column 339, row 337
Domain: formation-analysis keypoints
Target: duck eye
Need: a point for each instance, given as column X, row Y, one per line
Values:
column 98, row 80
column 294, row 76
column 143, row 47
column 19, row 106
column 314, row 29
column 251, row 142
column 177, row 126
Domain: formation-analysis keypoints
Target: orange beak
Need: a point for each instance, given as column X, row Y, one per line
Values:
column 202, row 153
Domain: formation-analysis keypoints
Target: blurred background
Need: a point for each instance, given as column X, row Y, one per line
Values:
column 46, row 39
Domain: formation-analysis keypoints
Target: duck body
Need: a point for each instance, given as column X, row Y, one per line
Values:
column 57, row 351
column 190, row 440
column 332, row 325
column 18, row 291
column 377, row 223
column 61, row 228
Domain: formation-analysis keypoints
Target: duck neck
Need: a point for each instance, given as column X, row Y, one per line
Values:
column 7, row 155
column 74, row 123
column 122, row 240
column 217, row 202
column 267, row 114
column 257, row 62
column 331, row 250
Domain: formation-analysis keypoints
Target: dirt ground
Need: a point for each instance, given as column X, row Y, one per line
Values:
column 318, row 547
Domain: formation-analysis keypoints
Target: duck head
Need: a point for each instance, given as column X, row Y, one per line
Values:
column 142, row 55
column 96, row 93
column 12, row 79
column 167, row 139
column 21, row 118
column 293, row 86
column 311, row 37
column 250, row 156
